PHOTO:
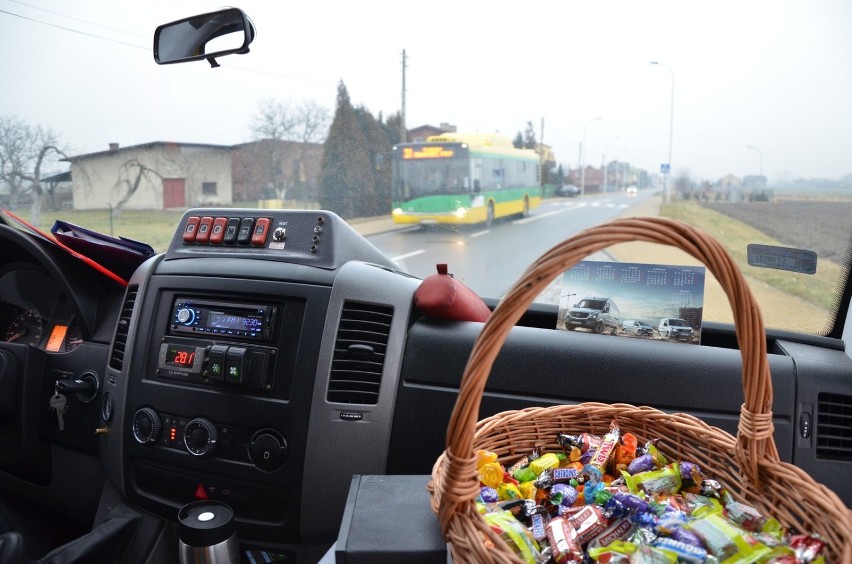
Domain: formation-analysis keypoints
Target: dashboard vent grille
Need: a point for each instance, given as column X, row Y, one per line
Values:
column 834, row 426
column 359, row 353
column 116, row 359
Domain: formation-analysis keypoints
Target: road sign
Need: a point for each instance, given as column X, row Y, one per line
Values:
column 665, row 168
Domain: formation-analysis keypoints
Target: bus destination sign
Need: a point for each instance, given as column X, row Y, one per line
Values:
column 427, row 152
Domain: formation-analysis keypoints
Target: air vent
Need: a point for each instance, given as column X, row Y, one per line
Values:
column 116, row 359
column 834, row 426
column 359, row 353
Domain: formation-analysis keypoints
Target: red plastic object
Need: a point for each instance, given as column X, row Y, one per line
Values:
column 442, row 296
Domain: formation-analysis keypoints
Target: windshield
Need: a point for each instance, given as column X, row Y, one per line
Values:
column 731, row 116
column 591, row 304
column 678, row 323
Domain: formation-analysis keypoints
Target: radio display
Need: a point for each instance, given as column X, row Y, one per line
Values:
column 180, row 355
column 230, row 321
column 220, row 318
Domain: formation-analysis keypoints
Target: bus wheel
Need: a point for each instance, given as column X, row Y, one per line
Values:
column 489, row 214
column 526, row 212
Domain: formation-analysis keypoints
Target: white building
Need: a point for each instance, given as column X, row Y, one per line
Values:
column 170, row 175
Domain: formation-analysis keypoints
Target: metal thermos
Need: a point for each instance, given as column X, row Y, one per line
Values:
column 207, row 534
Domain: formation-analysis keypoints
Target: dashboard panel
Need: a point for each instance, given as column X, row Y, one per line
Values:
column 268, row 375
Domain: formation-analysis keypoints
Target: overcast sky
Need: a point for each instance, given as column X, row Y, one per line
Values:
column 773, row 75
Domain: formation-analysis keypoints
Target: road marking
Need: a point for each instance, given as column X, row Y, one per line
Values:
column 480, row 233
column 409, row 255
column 537, row 216
column 624, row 205
column 609, row 205
column 582, row 204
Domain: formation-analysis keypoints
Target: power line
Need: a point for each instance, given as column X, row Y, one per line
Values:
column 78, row 19
column 77, row 31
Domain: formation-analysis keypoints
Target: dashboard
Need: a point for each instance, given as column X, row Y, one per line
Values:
column 268, row 368
column 34, row 311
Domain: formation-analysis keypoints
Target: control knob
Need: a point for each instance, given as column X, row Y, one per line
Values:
column 200, row 437
column 268, row 449
column 279, row 234
column 185, row 316
column 146, row 426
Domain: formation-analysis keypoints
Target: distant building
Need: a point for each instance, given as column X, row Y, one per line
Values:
column 179, row 175
column 271, row 168
column 420, row 133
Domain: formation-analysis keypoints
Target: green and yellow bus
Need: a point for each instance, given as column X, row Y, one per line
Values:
column 463, row 178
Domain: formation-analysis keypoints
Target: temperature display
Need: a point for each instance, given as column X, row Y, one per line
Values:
column 180, row 355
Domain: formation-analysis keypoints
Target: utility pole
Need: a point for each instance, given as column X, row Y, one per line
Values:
column 541, row 152
column 403, row 132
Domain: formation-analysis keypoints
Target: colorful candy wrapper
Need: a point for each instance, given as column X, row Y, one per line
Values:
column 488, row 494
column 527, row 489
column 524, row 474
column 589, row 522
column 752, row 520
column 684, row 553
column 491, row 474
column 726, row 541
column 544, row 462
column 583, row 441
column 509, row 492
column 644, row 463
column 808, row 549
column 514, row 534
column 563, row 494
column 484, row 457
column 562, row 538
column 618, row 529
column 522, row 463
column 606, row 450
column 663, row 481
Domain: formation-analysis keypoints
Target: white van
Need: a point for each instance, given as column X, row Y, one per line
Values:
column 675, row 328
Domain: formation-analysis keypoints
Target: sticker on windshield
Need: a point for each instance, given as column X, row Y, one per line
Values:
column 782, row 258
column 643, row 301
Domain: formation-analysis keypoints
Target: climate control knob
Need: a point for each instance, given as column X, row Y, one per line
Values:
column 146, row 426
column 200, row 437
column 268, row 449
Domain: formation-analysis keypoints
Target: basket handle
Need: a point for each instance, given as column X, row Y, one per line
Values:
column 755, row 440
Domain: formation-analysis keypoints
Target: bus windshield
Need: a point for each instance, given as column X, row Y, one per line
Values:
column 429, row 177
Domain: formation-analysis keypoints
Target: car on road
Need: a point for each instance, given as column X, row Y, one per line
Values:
column 631, row 190
column 568, row 191
column 638, row 328
column 273, row 349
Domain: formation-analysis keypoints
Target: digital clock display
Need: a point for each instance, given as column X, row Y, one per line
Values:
column 180, row 355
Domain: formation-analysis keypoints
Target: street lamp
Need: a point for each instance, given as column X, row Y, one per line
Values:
column 583, row 159
column 605, row 167
column 671, row 130
column 759, row 152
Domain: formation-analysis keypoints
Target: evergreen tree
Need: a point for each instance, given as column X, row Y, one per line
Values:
column 345, row 173
column 518, row 141
column 529, row 137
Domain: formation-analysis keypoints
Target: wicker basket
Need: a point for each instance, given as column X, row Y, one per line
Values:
column 748, row 464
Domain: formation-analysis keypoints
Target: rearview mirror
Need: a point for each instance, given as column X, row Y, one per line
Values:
column 205, row 36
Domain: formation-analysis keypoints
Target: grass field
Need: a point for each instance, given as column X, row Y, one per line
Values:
column 154, row 227
column 819, row 289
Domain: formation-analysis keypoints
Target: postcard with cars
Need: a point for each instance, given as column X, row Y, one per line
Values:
column 647, row 301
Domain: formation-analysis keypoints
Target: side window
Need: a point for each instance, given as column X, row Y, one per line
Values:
column 208, row 189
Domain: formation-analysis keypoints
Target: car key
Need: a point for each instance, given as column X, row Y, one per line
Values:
column 57, row 404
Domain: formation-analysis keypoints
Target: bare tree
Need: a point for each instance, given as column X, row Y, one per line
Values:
column 302, row 123
column 25, row 152
column 130, row 176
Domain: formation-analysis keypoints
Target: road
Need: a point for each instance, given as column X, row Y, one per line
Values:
column 489, row 260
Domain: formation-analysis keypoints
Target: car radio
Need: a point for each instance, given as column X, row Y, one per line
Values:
column 218, row 319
